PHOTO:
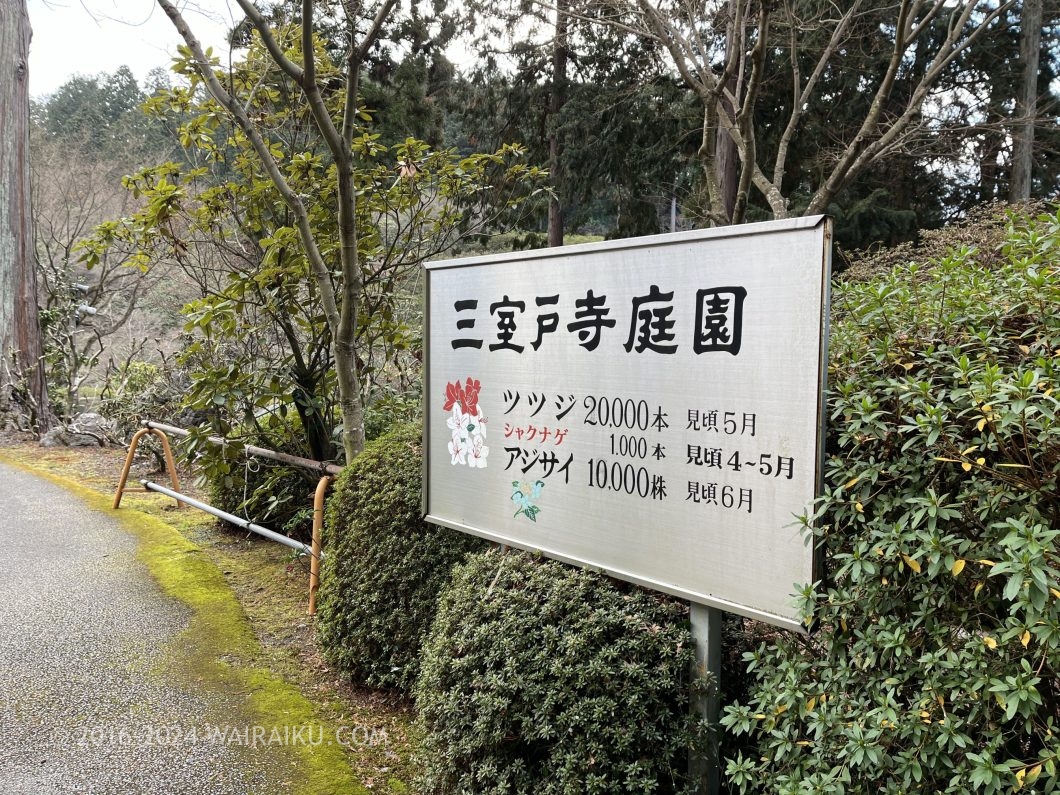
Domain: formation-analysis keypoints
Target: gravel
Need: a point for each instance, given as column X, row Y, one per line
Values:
column 84, row 707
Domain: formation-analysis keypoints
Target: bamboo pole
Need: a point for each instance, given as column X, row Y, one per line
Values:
column 171, row 464
column 318, row 525
column 284, row 458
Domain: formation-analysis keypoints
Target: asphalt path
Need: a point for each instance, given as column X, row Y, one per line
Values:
column 84, row 707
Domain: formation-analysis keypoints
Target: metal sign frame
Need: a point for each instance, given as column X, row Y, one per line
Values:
column 802, row 239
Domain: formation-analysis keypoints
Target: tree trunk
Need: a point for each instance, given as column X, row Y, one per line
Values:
column 557, row 99
column 726, row 163
column 1026, row 101
column 22, row 386
column 727, row 158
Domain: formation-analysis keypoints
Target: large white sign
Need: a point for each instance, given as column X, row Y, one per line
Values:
column 649, row 407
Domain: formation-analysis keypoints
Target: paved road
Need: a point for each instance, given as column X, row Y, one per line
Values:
column 83, row 708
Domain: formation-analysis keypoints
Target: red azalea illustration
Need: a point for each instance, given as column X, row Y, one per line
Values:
column 454, row 393
column 466, row 424
column 471, row 390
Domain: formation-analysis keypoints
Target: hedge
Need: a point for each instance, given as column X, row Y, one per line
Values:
column 383, row 566
column 541, row 678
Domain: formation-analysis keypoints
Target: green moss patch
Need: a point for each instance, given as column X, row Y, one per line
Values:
column 218, row 650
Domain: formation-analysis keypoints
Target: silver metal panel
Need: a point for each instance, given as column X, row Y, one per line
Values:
column 674, row 484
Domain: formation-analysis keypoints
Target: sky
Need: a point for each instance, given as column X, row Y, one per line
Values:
column 88, row 37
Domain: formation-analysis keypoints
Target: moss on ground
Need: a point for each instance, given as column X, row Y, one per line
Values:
column 218, row 650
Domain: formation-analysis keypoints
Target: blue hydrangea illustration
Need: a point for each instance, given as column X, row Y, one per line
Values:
column 524, row 495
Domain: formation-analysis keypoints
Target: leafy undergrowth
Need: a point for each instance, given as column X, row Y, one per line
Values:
column 271, row 585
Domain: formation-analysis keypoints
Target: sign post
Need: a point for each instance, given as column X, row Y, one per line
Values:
column 705, row 770
column 651, row 407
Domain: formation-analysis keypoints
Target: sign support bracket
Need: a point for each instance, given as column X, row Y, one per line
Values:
column 705, row 768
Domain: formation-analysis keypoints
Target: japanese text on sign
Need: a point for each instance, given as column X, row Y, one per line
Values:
column 718, row 326
column 651, row 407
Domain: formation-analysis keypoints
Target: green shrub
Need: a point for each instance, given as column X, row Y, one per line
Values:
column 985, row 229
column 142, row 391
column 383, row 565
column 261, row 490
column 936, row 667
column 389, row 412
column 541, row 678
column 269, row 494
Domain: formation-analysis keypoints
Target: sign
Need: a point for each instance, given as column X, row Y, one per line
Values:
column 649, row 407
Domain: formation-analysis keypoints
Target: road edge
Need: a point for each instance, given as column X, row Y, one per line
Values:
column 225, row 649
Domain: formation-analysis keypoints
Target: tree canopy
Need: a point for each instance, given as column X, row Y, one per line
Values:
column 298, row 183
column 299, row 223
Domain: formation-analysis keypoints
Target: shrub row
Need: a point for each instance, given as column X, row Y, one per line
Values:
column 541, row 678
column 384, row 566
column 536, row 677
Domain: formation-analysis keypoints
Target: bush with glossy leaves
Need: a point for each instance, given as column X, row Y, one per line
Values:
column 936, row 667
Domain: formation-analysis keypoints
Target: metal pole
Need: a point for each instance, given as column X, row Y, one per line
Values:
column 284, row 458
column 171, row 464
column 128, row 465
column 229, row 517
column 705, row 770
